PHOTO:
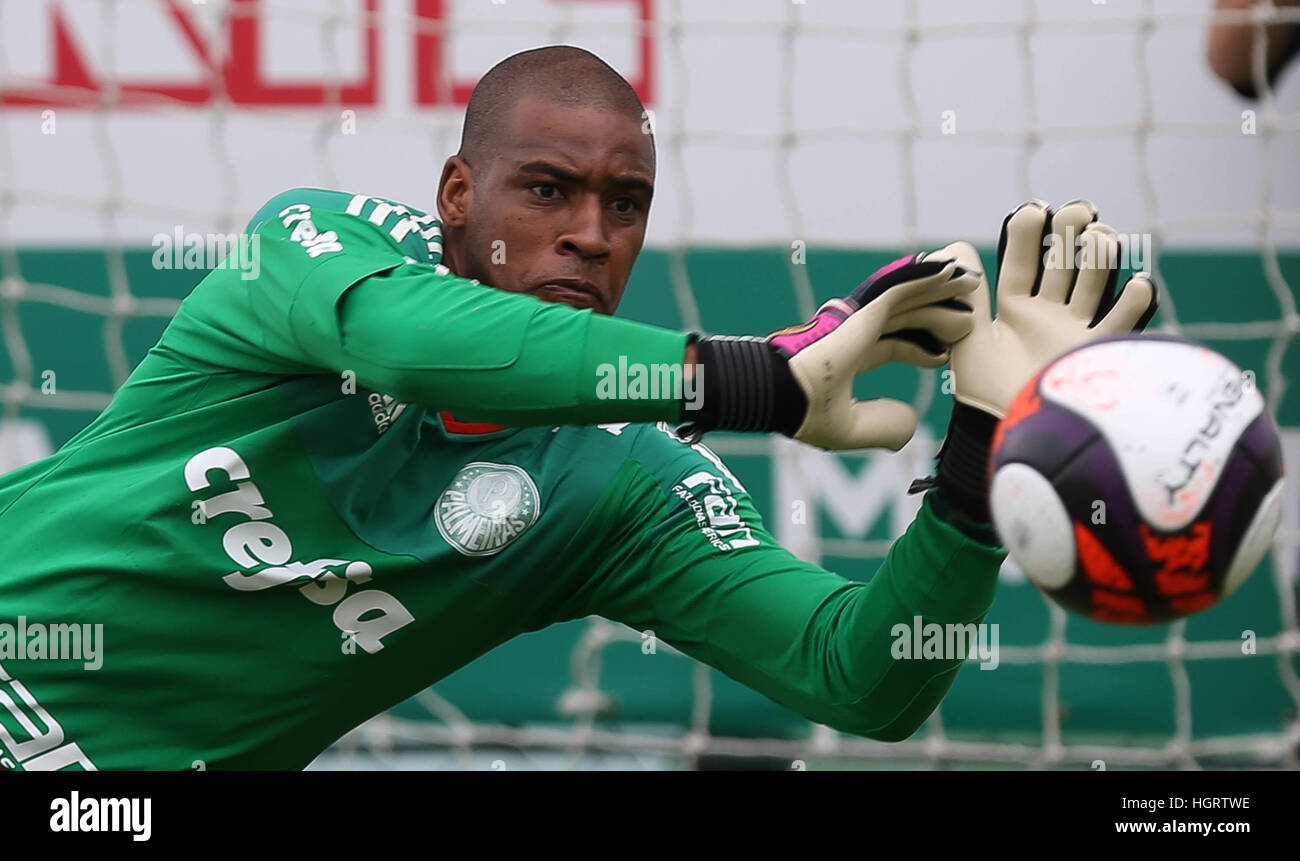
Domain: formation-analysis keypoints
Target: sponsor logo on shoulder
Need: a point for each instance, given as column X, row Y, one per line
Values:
column 305, row 232
column 486, row 507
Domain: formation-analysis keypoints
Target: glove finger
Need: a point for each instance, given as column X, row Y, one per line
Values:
column 1020, row 248
column 918, row 279
column 865, row 326
column 1065, row 231
column 915, row 347
column 944, row 323
column 969, row 259
column 963, row 252
column 902, row 270
column 880, row 423
column 952, row 285
column 1094, row 288
column 1133, row 309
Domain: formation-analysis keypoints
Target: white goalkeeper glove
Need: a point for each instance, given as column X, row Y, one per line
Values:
column 799, row 381
column 1057, row 271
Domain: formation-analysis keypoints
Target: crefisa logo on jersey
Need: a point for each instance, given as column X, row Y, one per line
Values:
column 486, row 506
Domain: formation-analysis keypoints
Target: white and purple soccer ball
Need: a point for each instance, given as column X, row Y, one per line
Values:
column 1137, row 479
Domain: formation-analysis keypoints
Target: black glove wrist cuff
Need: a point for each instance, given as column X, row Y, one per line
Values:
column 963, row 473
column 748, row 386
column 982, row 532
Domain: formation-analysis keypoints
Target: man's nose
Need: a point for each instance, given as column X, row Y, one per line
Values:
column 585, row 235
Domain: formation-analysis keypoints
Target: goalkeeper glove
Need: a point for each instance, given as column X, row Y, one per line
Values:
column 1048, row 302
column 799, row 381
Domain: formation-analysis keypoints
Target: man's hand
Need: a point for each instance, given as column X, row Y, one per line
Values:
column 1230, row 47
column 1057, row 272
column 1046, row 303
column 799, row 381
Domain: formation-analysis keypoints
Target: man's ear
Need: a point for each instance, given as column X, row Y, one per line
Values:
column 455, row 191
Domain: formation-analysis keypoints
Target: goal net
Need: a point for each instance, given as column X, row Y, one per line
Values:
column 800, row 145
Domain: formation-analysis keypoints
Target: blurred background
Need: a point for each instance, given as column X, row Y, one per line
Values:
column 801, row 145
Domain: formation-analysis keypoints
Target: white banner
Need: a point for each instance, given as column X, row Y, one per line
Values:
column 830, row 121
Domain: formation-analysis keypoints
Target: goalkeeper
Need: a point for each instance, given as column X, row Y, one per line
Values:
column 330, row 486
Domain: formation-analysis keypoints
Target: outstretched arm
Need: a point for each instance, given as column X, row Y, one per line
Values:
column 682, row 552
column 334, row 293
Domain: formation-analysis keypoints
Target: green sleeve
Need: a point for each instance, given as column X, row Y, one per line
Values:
column 340, row 297
column 809, row 639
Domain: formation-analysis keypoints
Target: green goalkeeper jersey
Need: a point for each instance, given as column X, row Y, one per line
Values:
column 294, row 514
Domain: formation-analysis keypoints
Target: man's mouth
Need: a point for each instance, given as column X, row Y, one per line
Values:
column 574, row 293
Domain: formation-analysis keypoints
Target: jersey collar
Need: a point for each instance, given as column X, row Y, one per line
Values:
column 453, row 426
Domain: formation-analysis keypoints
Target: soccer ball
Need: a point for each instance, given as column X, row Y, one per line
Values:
column 1137, row 479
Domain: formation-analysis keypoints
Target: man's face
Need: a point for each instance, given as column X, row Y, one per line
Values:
column 559, row 210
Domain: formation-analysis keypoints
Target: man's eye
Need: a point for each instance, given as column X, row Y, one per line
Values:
column 625, row 206
column 545, row 190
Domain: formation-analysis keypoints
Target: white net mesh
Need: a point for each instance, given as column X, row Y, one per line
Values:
column 890, row 125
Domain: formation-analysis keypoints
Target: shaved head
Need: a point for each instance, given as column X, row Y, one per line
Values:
column 561, row 74
column 550, row 192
